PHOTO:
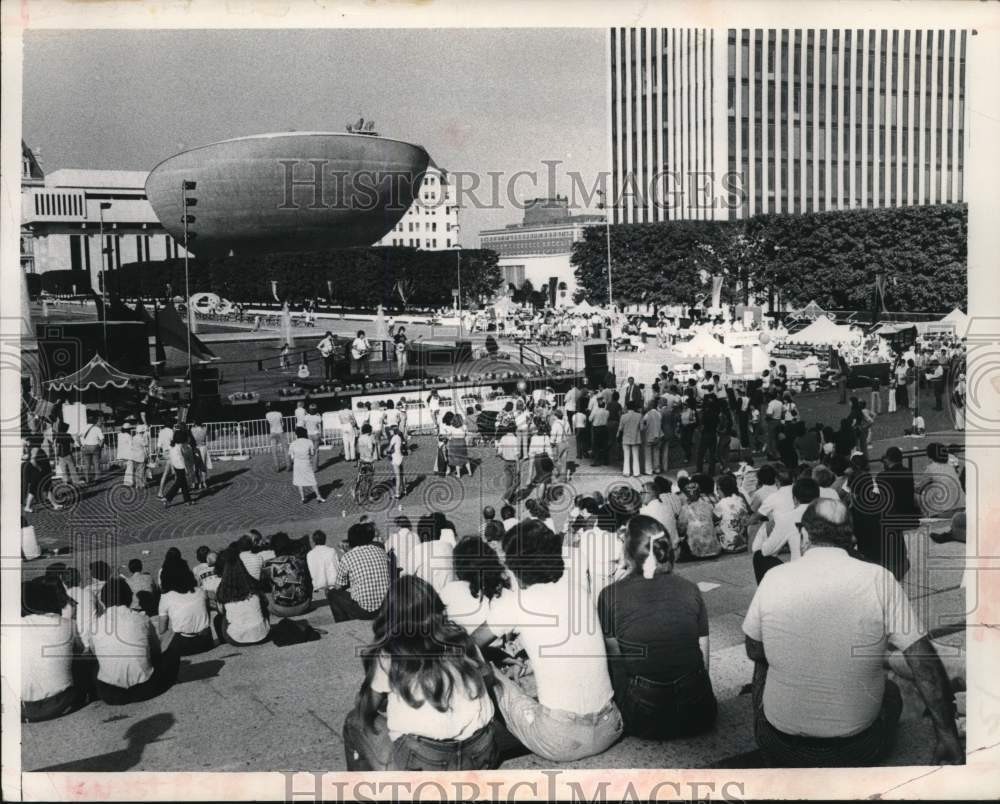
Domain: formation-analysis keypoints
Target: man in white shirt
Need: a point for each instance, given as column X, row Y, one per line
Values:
column 91, row 443
column 163, row 441
column 773, row 414
column 300, row 414
column 276, row 436
column 431, row 561
column 348, row 431
column 599, row 550
column 322, row 561
column 817, row 630
column 567, row 721
column 651, row 434
column 360, row 351
column 402, row 541
column 785, row 532
column 508, row 517
column 782, row 500
column 509, row 451
column 655, row 507
column 327, row 351
column 559, row 431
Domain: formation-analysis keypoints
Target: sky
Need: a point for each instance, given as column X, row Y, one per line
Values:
column 478, row 100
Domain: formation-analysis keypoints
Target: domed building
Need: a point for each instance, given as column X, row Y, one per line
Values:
column 291, row 191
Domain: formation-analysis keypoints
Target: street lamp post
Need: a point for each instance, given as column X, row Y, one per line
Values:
column 607, row 237
column 186, row 219
column 103, row 205
column 458, row 274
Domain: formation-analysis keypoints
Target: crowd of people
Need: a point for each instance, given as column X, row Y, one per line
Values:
column 460, row 672
column 480, row 609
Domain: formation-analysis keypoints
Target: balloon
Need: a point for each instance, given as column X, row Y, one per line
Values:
column 764, row 338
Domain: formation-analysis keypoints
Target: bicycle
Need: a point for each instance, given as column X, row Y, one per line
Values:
column 364, row 482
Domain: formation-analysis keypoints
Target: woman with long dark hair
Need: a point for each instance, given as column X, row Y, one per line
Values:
column 242, row 618
column 423, row 704
column 659, row 665
column 479, row 578
column 185, row 604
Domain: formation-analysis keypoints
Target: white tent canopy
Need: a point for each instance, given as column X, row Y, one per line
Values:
column 823, row 331
column 584, row 307
column 705, row 345
column 958, row 318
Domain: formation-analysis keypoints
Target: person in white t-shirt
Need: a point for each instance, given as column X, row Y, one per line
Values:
column 399, row 544
column 567, row 721
column 49, row 645
column 322, row 561
column 314, row 429
column 785, row 532
column 438, row 713
column 300, row 414
column 360, row 350
column 276, row 437
column 348, row 432
column 185, row 605
column 133, row 662
column 479, row 579
column 836, row 615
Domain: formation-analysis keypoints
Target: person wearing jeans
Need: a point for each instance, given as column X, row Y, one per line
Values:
column 567, row 721
column 509, row 452
column 91, row 444
column 182, row 464
column 64, row 454
column 407, row 717
column 659, row 666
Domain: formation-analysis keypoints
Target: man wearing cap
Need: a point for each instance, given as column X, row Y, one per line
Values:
column 123, row 451
column 817, row 630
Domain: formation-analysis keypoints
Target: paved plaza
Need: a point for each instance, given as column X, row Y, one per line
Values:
column 295, row 698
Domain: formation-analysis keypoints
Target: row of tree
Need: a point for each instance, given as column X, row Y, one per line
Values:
column 832, row 257
column 359, row 277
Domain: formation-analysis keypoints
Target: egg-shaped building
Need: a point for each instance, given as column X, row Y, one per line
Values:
column 293, row 191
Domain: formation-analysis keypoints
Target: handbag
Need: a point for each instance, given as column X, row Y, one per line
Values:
column 293, row 632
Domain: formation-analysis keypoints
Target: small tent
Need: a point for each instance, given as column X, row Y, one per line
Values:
column 705, row 345
column 812, row 311
column 958, row 319
column 823, row 331
column 584, row 308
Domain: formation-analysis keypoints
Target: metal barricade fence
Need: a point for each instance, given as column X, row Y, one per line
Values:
column 241, row 439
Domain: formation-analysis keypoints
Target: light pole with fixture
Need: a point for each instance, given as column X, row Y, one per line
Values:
column 607, row 237
column 458, row 276
column 186, row 218
column 105, row 260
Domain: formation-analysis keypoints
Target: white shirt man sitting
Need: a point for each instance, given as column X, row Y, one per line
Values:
column 818, row 629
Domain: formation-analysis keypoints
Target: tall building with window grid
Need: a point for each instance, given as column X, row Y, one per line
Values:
column 431, row 222
column 712, row 124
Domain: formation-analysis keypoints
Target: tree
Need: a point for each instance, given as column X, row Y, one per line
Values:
column 827, row 256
